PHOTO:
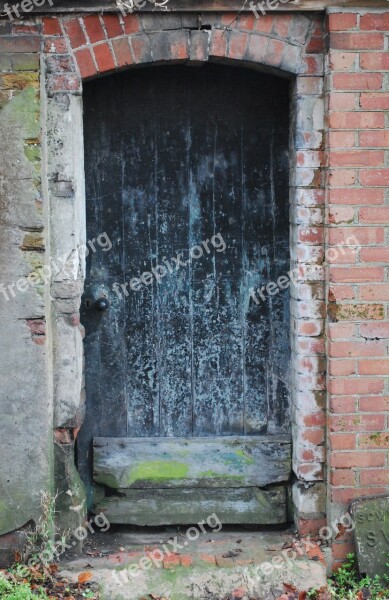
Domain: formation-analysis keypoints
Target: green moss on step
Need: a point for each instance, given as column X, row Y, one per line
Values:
column 158, row 470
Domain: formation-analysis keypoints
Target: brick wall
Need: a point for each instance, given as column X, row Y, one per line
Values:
column 357, row 139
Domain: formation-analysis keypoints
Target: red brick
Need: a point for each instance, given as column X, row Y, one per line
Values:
column 342, row 255
column 340, row 551
column 314, row 436
column 237, row 45
column 51, row 26
column 374, row 139
column 375, row 214
column 257, row 47
column 342, row 367
column 218, row 46
column 344, row 496
column 374, row 367
column 375, row 177
column 357, row 81
column 344, row 460
column 264, row 24
column 375, row 440
column 341, row 331
column 281, row 25
column 338, row 293
column 275, row 50
column 364, row 235
column 356, row 120
column 375, row 254
column 374, row 330
column 315, row 45
column 343, row 404
column 356, row 274
column 340, row 139
column 356, row 196
column 245, row 21
column 374, row 404
column 208, row 558
column 342, row 478
column 131, row 24
column 341, row 214
column 75, row 33
column 359, row 385
column 343, row 441
column 26, row 28
column 59, row 83
column 357, row 158
column 341, row 177
column 374, row 292
column 186, row 560
column 317, row 419
column 112, row 25
column 374, row 101
column 357, row 422
column 342, row 21
column 357, row 41
column 140, row 45
column 315, row 235
column 122, row 52
column 94, row 28
column 307, row 527
column 353, row 348
column 179, row 46
column 85, row 62
column 375, row 22
column 342, row 61
column 55, row 46
column 104, row 58
column 172, row 561
column 375, row 477
column 377, row 61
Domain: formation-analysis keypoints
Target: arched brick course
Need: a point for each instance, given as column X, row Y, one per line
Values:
column 79, row 48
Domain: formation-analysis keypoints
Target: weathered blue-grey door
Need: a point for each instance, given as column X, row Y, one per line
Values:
column 186, row 375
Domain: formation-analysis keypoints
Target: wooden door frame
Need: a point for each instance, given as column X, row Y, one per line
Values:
column 65, row 193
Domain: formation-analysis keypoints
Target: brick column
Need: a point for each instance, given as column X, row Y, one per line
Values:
column 357, row 256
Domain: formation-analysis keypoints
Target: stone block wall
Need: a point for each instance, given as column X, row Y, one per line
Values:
column 26, row 435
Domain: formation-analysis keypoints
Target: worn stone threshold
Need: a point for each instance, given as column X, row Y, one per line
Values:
column 232, row 563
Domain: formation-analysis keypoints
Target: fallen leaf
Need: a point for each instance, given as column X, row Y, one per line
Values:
column 85, row 576
column 341, row 530
column 289, row 587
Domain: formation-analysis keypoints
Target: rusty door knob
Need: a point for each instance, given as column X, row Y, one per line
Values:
column 101, row 304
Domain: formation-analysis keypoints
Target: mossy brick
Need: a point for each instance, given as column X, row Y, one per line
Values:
column 25, row 62
column 19, row 81
column 19, row 43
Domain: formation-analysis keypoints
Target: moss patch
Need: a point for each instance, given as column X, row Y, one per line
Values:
column 158, row 470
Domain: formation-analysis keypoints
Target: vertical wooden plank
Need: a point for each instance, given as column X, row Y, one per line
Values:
column 171, row 100
column 105, row 346
column 216, row 277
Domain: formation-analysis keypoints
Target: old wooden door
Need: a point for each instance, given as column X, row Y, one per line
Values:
column 187, row 377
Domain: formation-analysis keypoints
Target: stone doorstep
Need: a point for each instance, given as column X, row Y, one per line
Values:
column 225, row 564
column 213, row 584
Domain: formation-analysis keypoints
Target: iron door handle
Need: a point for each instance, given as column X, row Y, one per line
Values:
column 101, row 304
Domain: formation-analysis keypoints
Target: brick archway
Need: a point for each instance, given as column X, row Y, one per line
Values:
column 83, row 47
column 80, row 48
